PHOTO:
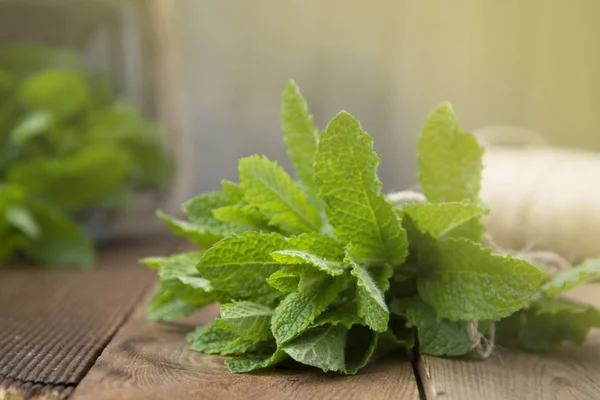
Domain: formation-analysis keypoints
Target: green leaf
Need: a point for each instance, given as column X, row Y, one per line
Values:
column 63, row 93
column 287, row 279
column 321, row 347
column 212, row 339
column 344, row 314
column 273, row 192
column 361, row 343
column 233, row 192
column 332, row 268
column 21, row 218
column 450, row 160
column 73, row 181
column 566, row 280
column 371, row 305
column 248, row 320
column 245, row 216
column 346, row 174
column 442, row 219
column 178, row 274
column 300, row 135
column 34, row 124
column 248, row 363
column 549, row 324
column 296, row 278
column 199, row 209
column 298, row 311
column 60, row 242
column 240, row 265
column 463, row 281
column 437, row 336
column 165, row 306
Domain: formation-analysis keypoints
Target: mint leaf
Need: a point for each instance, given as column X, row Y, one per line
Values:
column 346, row 174
column 463, row 281
column 248, row 320
column 205, row 235
column 232, row 191
column 297, row 311
column 272, row 191
column 245, row 216
column 286, row 279
column 198, row 209
column 371, row 305
column 299, row 135
column 332, row 268
column 566, row 280
column 450, row 160
column 178, row 274
column 321, row 347
column 239, row 265
column 551, row 323
column 437, row 336
column 344, row 314
column 296, row 278
column 361, row 343
column 165, row 306
column 442, row 219
column 212, row 339
column 250, row 363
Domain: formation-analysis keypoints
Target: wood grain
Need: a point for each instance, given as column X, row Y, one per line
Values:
column 54, row 323
column 512, row 374
column 149, row 360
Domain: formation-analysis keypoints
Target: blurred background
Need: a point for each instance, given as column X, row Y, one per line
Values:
column 530, row 63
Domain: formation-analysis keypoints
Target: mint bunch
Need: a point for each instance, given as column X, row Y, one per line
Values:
column 323, row 269
column 67, row 146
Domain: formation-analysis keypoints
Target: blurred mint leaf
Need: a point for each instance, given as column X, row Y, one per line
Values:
column 22, row 219
column 300, row 135
column 60, row 242
column 551, row 323
column 34, row 123
column 165, row 306
column 61, row 92
column 75, row 181
column 268, row 188
column 346, row 174
column 450, row 160
column 455, row 272
column 437, row 336
column 566, row 280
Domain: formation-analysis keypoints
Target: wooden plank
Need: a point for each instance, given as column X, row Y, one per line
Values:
column 149, row 361
column 512, row 374
column 54, row 323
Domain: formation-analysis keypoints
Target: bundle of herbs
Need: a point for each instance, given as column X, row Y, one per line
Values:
column 327, row 271
column 67, row 146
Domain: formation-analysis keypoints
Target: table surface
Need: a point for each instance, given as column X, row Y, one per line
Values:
column 82, row 334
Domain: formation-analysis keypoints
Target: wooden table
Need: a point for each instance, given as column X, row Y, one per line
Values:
column 83, row 335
